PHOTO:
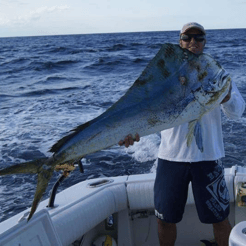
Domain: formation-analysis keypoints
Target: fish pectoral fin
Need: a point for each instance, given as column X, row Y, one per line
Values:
column 190, row 134
column 198, row 135
column 195, row 129
column 44, row 177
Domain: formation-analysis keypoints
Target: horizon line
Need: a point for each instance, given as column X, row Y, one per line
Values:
column 96, row 33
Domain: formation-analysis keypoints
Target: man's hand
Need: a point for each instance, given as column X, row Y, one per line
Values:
column 228, row 96
column 129, row 140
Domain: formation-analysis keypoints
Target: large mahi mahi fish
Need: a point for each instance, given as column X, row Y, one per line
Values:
column 176, row 87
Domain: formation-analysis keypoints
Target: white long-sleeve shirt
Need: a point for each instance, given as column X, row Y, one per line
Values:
column 173, row 145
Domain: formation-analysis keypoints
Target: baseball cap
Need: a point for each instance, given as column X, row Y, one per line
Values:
column 190, row 25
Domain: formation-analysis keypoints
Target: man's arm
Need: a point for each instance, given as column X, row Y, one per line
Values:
column 233, row 105
column 228, row 96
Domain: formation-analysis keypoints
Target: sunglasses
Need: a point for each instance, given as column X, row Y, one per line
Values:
column 188, row 37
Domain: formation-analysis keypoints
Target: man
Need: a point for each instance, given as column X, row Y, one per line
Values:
column 178, row 164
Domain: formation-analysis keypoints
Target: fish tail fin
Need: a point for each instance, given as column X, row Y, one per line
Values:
column 43, row 167
column 26, row 167
column 44, row 177
column 195, row 130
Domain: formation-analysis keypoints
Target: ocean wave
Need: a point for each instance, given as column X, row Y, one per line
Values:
column 43, row 92
column 19, row 60
column 155, row 46
column 119, row 63
column 84, row 50
column 48, row 65
column 55, row 77
column 2, row 96
column 105, row 63
column 58, row 50
column 136, row 44
column 140, row 60
column 117, row 47
column 38, row 93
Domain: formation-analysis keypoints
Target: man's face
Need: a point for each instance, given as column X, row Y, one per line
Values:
column 194, row 46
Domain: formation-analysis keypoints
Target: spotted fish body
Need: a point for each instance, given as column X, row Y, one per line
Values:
column 176, row 87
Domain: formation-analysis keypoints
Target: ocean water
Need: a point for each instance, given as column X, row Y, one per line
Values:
column 51, row 84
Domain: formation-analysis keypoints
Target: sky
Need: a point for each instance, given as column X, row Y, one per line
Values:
column 55, row 17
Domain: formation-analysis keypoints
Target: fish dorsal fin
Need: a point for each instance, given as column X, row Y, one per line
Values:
column 195, row 129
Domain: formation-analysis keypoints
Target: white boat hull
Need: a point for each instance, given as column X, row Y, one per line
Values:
column 81, row 211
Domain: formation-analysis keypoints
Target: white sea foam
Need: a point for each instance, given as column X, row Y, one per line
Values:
column 146, row 149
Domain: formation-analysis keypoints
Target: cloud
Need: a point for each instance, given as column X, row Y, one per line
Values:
column 38, row 13
column 32, row 15
column 49, row 10
column 4, row 21
column 12, row 2
column 239, row 1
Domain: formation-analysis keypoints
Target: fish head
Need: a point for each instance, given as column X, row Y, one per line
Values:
column 209, row 82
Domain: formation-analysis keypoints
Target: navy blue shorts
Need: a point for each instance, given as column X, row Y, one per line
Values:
column 209, row 189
